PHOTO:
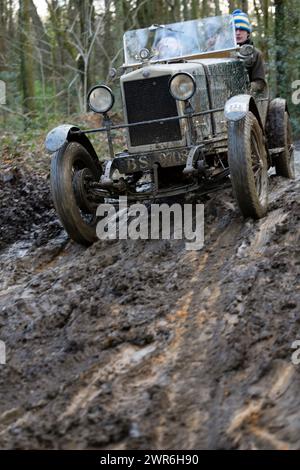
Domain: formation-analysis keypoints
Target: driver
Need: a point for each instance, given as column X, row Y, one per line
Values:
column 243, row 31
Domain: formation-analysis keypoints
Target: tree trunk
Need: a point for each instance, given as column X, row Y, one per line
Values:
column 3, row 31
column 244, row 5
column 205, row 9
column 185, row 11
column 217, row 8
column 86, row 13
column 107, row 39
column 231, row 5
column 195, row 9
column 280, row 46
column 26, row 52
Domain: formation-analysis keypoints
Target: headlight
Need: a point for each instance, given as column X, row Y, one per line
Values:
column 101, row 99
column 182, row 86
column 144, row 53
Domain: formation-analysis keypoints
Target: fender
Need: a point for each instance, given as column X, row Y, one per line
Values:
column 238, row 106
column 60, row 135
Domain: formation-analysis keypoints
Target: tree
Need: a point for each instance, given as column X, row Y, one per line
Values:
column 2, row 34
column 26, row 55
column 280, row 46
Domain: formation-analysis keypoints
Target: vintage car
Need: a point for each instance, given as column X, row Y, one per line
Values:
column 191, row 124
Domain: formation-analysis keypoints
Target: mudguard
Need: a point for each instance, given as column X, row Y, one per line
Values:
column 238, row 106
column 60, row 135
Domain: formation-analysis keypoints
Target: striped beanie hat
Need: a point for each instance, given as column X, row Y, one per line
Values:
column 241, row 21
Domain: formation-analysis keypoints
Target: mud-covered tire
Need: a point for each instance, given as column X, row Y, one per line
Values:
column 280, row 131
column 69, row 159
column 247, row 159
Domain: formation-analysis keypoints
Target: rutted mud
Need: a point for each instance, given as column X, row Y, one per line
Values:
column 142, row 344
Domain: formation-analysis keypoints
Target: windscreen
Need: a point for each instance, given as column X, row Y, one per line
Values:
column 177, row 40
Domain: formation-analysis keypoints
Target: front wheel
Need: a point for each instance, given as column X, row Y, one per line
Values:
column 248, row 166
column 71, row 168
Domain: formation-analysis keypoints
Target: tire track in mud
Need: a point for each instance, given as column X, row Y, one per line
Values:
column 144, row 345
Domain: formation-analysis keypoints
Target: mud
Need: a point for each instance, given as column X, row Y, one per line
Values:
column 142, row 344
column 26, row 210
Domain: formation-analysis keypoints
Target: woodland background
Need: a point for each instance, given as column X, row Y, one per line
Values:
column 52, row 51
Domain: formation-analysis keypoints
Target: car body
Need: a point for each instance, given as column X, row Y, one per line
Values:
column 191, row 125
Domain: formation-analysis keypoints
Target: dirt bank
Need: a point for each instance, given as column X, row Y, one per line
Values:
column 142, row 344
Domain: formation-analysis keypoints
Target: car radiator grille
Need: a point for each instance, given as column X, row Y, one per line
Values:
column 150, row 99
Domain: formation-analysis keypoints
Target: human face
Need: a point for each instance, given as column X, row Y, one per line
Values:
column 212, row 41
column 241, row 36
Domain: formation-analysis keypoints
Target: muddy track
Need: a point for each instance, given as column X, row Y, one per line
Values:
column 142, row 344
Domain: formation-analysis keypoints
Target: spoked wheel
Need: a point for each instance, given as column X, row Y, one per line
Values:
column 248, row 166
column 72, row 168
column 284, row 161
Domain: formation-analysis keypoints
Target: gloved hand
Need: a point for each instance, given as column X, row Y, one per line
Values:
column 246, row 53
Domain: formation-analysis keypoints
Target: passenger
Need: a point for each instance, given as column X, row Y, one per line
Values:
column 213, row 37
column 243, row 31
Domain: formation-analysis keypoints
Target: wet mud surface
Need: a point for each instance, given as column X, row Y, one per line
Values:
column 143, row 344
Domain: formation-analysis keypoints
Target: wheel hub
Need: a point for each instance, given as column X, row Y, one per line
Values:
column 80, row 181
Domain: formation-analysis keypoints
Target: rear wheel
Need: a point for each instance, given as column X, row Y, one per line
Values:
column 71, row 168
column 284, row 161
column 248, row 166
